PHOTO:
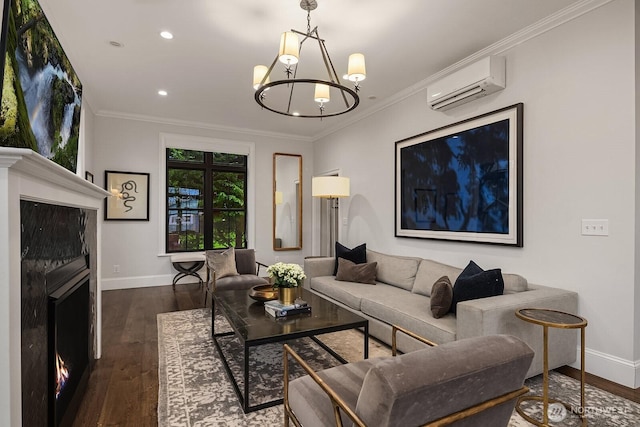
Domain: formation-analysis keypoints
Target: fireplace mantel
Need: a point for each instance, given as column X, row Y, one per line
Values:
column 26, row 175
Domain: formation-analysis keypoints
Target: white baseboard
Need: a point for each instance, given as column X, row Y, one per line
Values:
column 612, row 368
column 142, row 282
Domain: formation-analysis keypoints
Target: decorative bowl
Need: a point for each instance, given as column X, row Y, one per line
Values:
column 263, row 293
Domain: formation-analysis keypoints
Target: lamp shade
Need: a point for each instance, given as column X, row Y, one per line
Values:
column 321, row 93
column 289, row 48
column 330, row 186
column 356, row 69
column 279, row 197
column 259, row 71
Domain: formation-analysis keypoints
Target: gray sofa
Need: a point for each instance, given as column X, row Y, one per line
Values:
column 401, row 297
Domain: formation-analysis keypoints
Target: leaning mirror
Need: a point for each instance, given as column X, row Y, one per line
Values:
column 287, row 202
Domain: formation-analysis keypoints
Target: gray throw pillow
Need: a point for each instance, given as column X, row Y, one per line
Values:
column 441, row 297
column 223, row 263
column 360, row 273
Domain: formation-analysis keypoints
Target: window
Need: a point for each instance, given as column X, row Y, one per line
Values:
column 206, row 200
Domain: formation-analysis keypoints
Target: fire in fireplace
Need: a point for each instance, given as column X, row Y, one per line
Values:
column 68, row 331
column 61, row 376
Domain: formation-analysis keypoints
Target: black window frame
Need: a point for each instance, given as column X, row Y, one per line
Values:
column 209, row 167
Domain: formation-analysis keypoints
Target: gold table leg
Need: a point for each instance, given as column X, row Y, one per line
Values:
column 545, row 386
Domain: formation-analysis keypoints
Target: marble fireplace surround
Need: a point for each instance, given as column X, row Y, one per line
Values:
column 25, row 175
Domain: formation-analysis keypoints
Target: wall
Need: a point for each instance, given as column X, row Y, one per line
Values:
column 637, row 198
column 577, row 84
column 133, row 145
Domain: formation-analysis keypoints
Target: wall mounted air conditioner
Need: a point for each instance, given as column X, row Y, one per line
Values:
column 471, row 82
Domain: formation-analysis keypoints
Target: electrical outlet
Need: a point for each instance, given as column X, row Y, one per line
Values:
column 116, row 268
column 595, row 227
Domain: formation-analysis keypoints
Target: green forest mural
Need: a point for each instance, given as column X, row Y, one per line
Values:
column 41, row 93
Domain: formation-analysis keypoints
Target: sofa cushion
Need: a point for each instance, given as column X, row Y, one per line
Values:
column 514, row 283
column 222, row 263
column 393, row 306
column 349, row 294
column 357, row 255
column 428, row 272
column 475, row 283
column 395, row 270
column 441, row 297
column 359, row 273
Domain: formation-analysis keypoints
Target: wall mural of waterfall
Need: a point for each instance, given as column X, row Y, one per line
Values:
column 41, row 93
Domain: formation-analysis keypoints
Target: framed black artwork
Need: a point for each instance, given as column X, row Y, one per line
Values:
column 463, row 182
column 129, row 198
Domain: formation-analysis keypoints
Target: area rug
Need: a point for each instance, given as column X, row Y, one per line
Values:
column 195, row 391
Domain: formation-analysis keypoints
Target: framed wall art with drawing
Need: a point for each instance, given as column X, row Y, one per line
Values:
column 129, row 198
column 463, row 182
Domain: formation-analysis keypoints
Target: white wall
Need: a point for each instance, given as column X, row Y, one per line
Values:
column 577, row 83
column 133, row 145
column 637, row 233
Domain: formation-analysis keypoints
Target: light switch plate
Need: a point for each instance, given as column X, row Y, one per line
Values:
column 595, row 227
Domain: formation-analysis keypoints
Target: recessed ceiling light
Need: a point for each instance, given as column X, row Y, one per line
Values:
column 115, row 43
column 295, row 113
column 162, row 93
column 166, row 35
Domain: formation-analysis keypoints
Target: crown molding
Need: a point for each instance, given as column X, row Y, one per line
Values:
column 202, row 125
column 559, row 18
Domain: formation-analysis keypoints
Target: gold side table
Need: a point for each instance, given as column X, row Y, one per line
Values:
column 555, row 319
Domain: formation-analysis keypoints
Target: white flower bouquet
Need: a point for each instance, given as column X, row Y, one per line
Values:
column 286, row 275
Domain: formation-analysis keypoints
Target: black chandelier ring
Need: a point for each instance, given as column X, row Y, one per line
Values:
column 260, row 96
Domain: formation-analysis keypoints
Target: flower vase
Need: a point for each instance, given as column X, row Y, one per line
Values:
column 287, row 296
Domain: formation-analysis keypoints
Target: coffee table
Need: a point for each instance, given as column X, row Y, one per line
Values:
column 253, row 327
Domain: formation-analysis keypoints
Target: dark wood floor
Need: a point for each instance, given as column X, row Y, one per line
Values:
column 123, row 388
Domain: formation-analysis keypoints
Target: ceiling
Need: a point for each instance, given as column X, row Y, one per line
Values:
column 207, row 67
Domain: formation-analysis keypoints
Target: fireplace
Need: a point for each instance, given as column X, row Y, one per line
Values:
column 49, row 217
column 68, row 339
column 58, row 310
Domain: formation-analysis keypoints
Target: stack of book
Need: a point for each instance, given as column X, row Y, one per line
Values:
column 276, row 309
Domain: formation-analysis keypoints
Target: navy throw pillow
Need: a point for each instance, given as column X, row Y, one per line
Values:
column 357, row 255
column 475, row 283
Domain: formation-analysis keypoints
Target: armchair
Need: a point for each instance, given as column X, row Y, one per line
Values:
column 470, row 382
column 244, row 264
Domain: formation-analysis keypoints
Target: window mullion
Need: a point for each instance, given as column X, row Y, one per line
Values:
column 208, row 202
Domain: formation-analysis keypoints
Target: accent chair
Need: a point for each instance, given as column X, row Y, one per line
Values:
column 470, row 382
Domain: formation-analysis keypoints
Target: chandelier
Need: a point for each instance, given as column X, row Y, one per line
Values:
column 293, row 95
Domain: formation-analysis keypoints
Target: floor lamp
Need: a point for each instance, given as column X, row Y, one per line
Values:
column 332, row 188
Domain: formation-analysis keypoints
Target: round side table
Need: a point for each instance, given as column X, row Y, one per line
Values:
column 555, row 319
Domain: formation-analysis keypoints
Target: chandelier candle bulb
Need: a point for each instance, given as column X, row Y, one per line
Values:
column 322, row 93
column 289, row 48
column 356, row 69
column 259, row 71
